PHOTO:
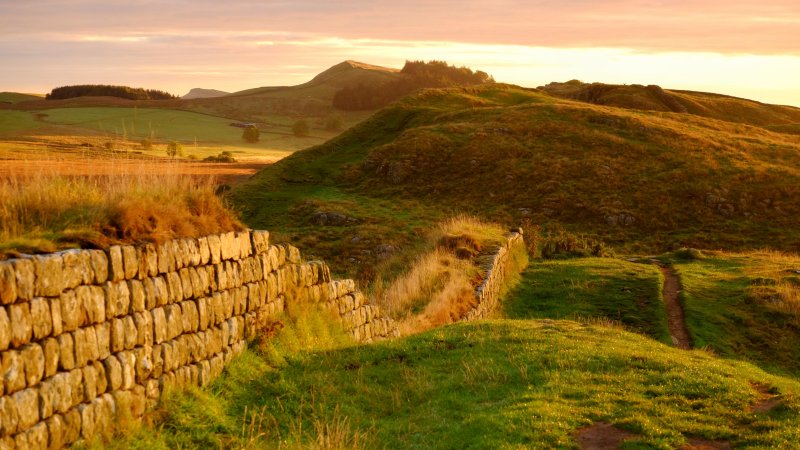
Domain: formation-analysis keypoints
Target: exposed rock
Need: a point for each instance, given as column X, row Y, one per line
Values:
column 329, row 218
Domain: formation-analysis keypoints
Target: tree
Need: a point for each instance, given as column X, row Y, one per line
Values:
column 251, row 134
column 174, row 148
column 300, row 128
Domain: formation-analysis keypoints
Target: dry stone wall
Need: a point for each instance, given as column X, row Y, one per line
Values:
column 488, row 293
column 86, row 335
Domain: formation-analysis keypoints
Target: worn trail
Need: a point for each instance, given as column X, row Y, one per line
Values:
column 675, row 316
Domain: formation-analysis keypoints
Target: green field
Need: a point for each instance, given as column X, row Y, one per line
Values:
column 499, row 384
column 592, row 288
column 16, row 97
column 12, row 122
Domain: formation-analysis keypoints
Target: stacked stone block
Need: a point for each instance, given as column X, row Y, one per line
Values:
column 488, row 293
column 88, row 334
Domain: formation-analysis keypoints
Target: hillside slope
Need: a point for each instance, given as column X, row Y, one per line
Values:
column 638, row 180
column 654, row 98
column 499, row 384
column 203, row 93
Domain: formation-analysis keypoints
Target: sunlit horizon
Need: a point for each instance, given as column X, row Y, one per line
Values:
column 739, row 48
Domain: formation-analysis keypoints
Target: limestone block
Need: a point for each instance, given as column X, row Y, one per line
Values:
column 260, row 241
column 162, row 255
column 102, row 379
column 168, row 356
column 186, row 283
column 228, row 304
column 32, row 357
column 118, row 298
column 236, row 270
column 116, row 268
column 88, row 412
column 113, row 370
column 117, row 335
column 72, row 426
column 214, row 249
column 198, row 290
column 82, row 355
column 157, row 361
column 5, row 329
column 130, row 262
column 220, row 276
column 55, row 430
column 25, row 278
column 151, row 390
column 21, row 326
column 131, row 334
column 103, row 335
column 204, row 251
column 92, row 302
column 194, row 252
column 181, row 253
column 91, row 344
column 144, row 328
column 9, row 415
column 66, row 348
column 174, row 320
column 55, row 315
column 148, row 261
column 77, row 268
column 191, row 320
column 175, row 287
column 89, row 383
column 37, row 437
column 136, row 289
column 27, row 405
column 202, row 313
column 40, row 317
column 51, row 356
column 159, row 325
column 8, row 283
column 143, row 357
column 70, row 309
column 49, row 275
column 225, row 247
column 99, row 263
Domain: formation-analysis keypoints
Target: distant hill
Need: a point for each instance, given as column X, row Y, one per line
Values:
column 654, row 98
column 16, row 97
column 639, row 181
column 203, row 93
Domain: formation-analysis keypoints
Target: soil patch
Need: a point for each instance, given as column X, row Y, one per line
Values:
column 768, row 399
column 601, row 436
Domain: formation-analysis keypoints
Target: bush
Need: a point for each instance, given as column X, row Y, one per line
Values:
column 251, row 134
column 563, row 244
column 223, row 157
column 147, row 144
column 689, row 254
column 174, row 149
column 300, row 128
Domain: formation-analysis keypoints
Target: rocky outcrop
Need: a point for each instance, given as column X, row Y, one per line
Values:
column 86, row 335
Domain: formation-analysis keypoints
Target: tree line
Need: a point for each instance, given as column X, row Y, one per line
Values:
column 103, row 90
column 415, row 75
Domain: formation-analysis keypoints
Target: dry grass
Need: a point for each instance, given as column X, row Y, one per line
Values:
column 46, row 211
column 439, row 287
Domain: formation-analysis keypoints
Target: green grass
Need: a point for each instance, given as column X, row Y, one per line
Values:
column 592, row 288
column 733, row 306
column 500, row 384
column 15, row 122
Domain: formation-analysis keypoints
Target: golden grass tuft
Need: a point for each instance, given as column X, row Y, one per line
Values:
column 45, row 211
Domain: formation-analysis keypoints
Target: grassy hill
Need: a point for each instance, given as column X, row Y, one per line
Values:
column 654, row 98
column 499, row 384
column 638, row 181
column 16, row 97
column 203, row 93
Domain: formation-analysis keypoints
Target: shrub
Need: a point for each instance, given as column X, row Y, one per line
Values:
column 300, row 128
column 563, row 244
column 251, row 134
column 223, row 157
column 334, row 122
column 147, row 144
column 174, row 148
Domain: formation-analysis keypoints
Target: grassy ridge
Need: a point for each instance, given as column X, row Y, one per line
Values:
column 641, row 182
column 508, row 384
column 16, row 97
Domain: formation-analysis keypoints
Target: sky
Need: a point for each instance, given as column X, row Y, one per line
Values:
column 745, row 48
